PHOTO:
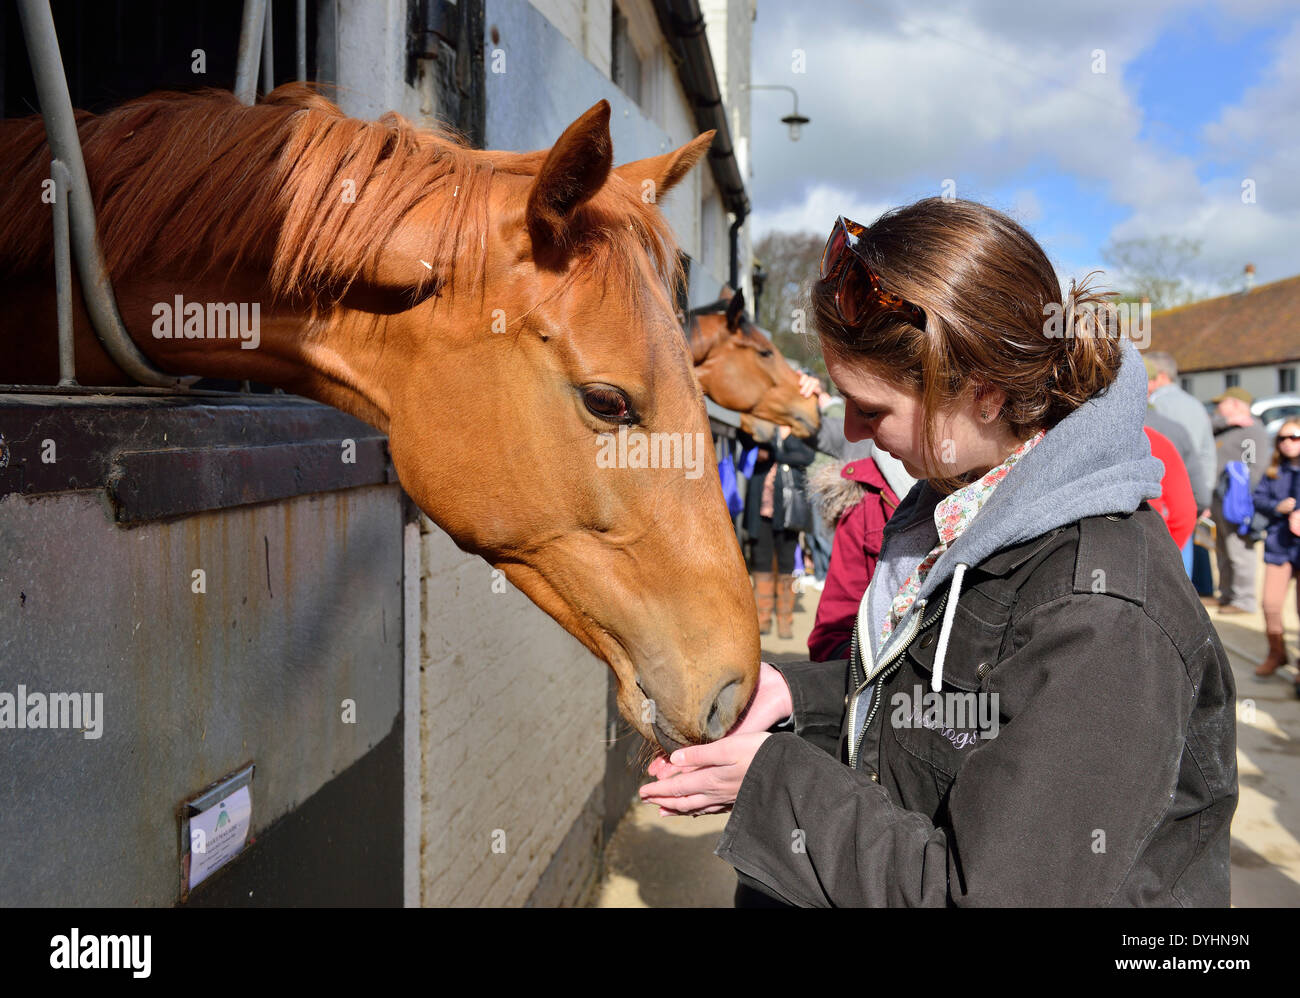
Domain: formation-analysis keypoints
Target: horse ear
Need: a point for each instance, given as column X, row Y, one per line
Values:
column 666, row 170
column 735, row 307
column 575, row 169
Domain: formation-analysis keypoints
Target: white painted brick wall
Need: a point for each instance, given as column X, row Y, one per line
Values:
column 569, row 16
column 512, row 732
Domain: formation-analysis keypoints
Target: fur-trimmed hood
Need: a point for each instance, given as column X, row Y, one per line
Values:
column 837, row 487
column 832, row 494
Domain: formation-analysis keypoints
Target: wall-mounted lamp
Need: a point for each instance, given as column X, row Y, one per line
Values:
column 794, row 121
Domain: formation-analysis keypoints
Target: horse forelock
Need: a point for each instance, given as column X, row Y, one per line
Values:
column 615, row 236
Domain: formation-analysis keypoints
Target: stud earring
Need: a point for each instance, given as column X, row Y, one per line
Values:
column 984, row 415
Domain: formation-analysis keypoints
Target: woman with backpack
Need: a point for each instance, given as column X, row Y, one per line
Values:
column 1275, row 497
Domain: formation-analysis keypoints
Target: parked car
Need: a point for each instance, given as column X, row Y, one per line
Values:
column 1274, row 410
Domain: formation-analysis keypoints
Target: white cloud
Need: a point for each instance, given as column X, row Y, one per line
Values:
column 901, row 101
column 817, row 211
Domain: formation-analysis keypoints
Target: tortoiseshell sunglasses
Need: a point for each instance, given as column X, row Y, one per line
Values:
column 859, row 290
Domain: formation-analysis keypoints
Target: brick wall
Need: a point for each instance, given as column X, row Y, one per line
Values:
column 513, row 713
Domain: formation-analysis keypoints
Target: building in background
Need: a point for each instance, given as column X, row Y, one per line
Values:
column 1248, row 339
column 546, row 62
column 648, row 58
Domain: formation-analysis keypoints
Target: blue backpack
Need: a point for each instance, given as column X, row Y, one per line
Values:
column 1238, row 506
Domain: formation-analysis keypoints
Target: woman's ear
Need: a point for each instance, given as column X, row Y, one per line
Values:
column 988, row 399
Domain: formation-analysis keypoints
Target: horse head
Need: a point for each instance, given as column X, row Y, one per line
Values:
column 505, row 317
column 552, row 424
column 740, row 368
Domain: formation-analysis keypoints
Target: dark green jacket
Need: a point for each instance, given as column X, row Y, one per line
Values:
column 1112, row 779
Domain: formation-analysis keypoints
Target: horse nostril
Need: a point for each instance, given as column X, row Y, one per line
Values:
column 723, row 710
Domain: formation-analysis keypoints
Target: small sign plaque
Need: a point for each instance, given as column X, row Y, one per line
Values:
column 214, row 828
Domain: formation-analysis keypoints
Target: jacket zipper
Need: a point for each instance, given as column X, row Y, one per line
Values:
column 878, row 673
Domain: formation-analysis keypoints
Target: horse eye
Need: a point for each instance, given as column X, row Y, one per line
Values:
column 765, row 353
column 607, row 403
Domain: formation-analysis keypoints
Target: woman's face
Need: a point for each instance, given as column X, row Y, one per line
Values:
column 876, row 410
column 1290, row 449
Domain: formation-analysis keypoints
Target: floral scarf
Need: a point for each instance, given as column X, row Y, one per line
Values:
column 952, row 516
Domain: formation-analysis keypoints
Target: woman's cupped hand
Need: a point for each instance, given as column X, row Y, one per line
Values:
column 705, row 779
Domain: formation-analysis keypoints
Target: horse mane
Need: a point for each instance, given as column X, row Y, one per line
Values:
column 712, row 308
column 198, row 180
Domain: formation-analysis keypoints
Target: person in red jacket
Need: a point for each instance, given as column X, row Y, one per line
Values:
column 859, row 532
column 1176, row 504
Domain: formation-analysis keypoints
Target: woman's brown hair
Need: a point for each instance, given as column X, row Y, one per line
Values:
column 990, row 295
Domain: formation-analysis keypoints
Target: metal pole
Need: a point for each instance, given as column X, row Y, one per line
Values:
column 268, row 53
column 65, row 145
column 301, row 39
column 250, row 48
column 63, row 273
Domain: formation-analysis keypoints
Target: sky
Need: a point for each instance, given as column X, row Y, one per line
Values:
column 1086, row 122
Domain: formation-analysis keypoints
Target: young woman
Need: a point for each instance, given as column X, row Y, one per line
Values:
column 1275, row 496
column 1036, row 709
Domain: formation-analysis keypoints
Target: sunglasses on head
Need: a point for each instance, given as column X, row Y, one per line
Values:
column 859, row 292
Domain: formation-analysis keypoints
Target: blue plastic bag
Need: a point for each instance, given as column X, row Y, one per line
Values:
column 730, row 490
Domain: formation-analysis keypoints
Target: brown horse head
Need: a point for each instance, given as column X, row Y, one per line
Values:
column 589, row 473
column 504, row 317
column 739, row 367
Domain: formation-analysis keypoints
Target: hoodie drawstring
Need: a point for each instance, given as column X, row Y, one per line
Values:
column 954, row 592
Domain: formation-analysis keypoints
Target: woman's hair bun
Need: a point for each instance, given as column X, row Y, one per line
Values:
column 1090, row 346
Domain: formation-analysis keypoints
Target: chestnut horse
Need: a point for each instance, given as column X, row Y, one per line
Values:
column 498, row 314
column 740, row 369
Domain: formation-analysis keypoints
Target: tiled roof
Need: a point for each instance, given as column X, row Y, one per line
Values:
column 1256, row 327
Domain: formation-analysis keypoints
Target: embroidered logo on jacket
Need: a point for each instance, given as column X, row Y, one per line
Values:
column 962, row 718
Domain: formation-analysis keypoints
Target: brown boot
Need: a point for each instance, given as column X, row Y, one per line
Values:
column 1276, row 656
column 765, row 598
column 785, row 606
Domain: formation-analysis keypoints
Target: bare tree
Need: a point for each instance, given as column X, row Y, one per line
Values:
column 790, row 261
column 1166, row 269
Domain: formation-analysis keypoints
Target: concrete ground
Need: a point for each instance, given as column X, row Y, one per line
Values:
column 655, row 862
